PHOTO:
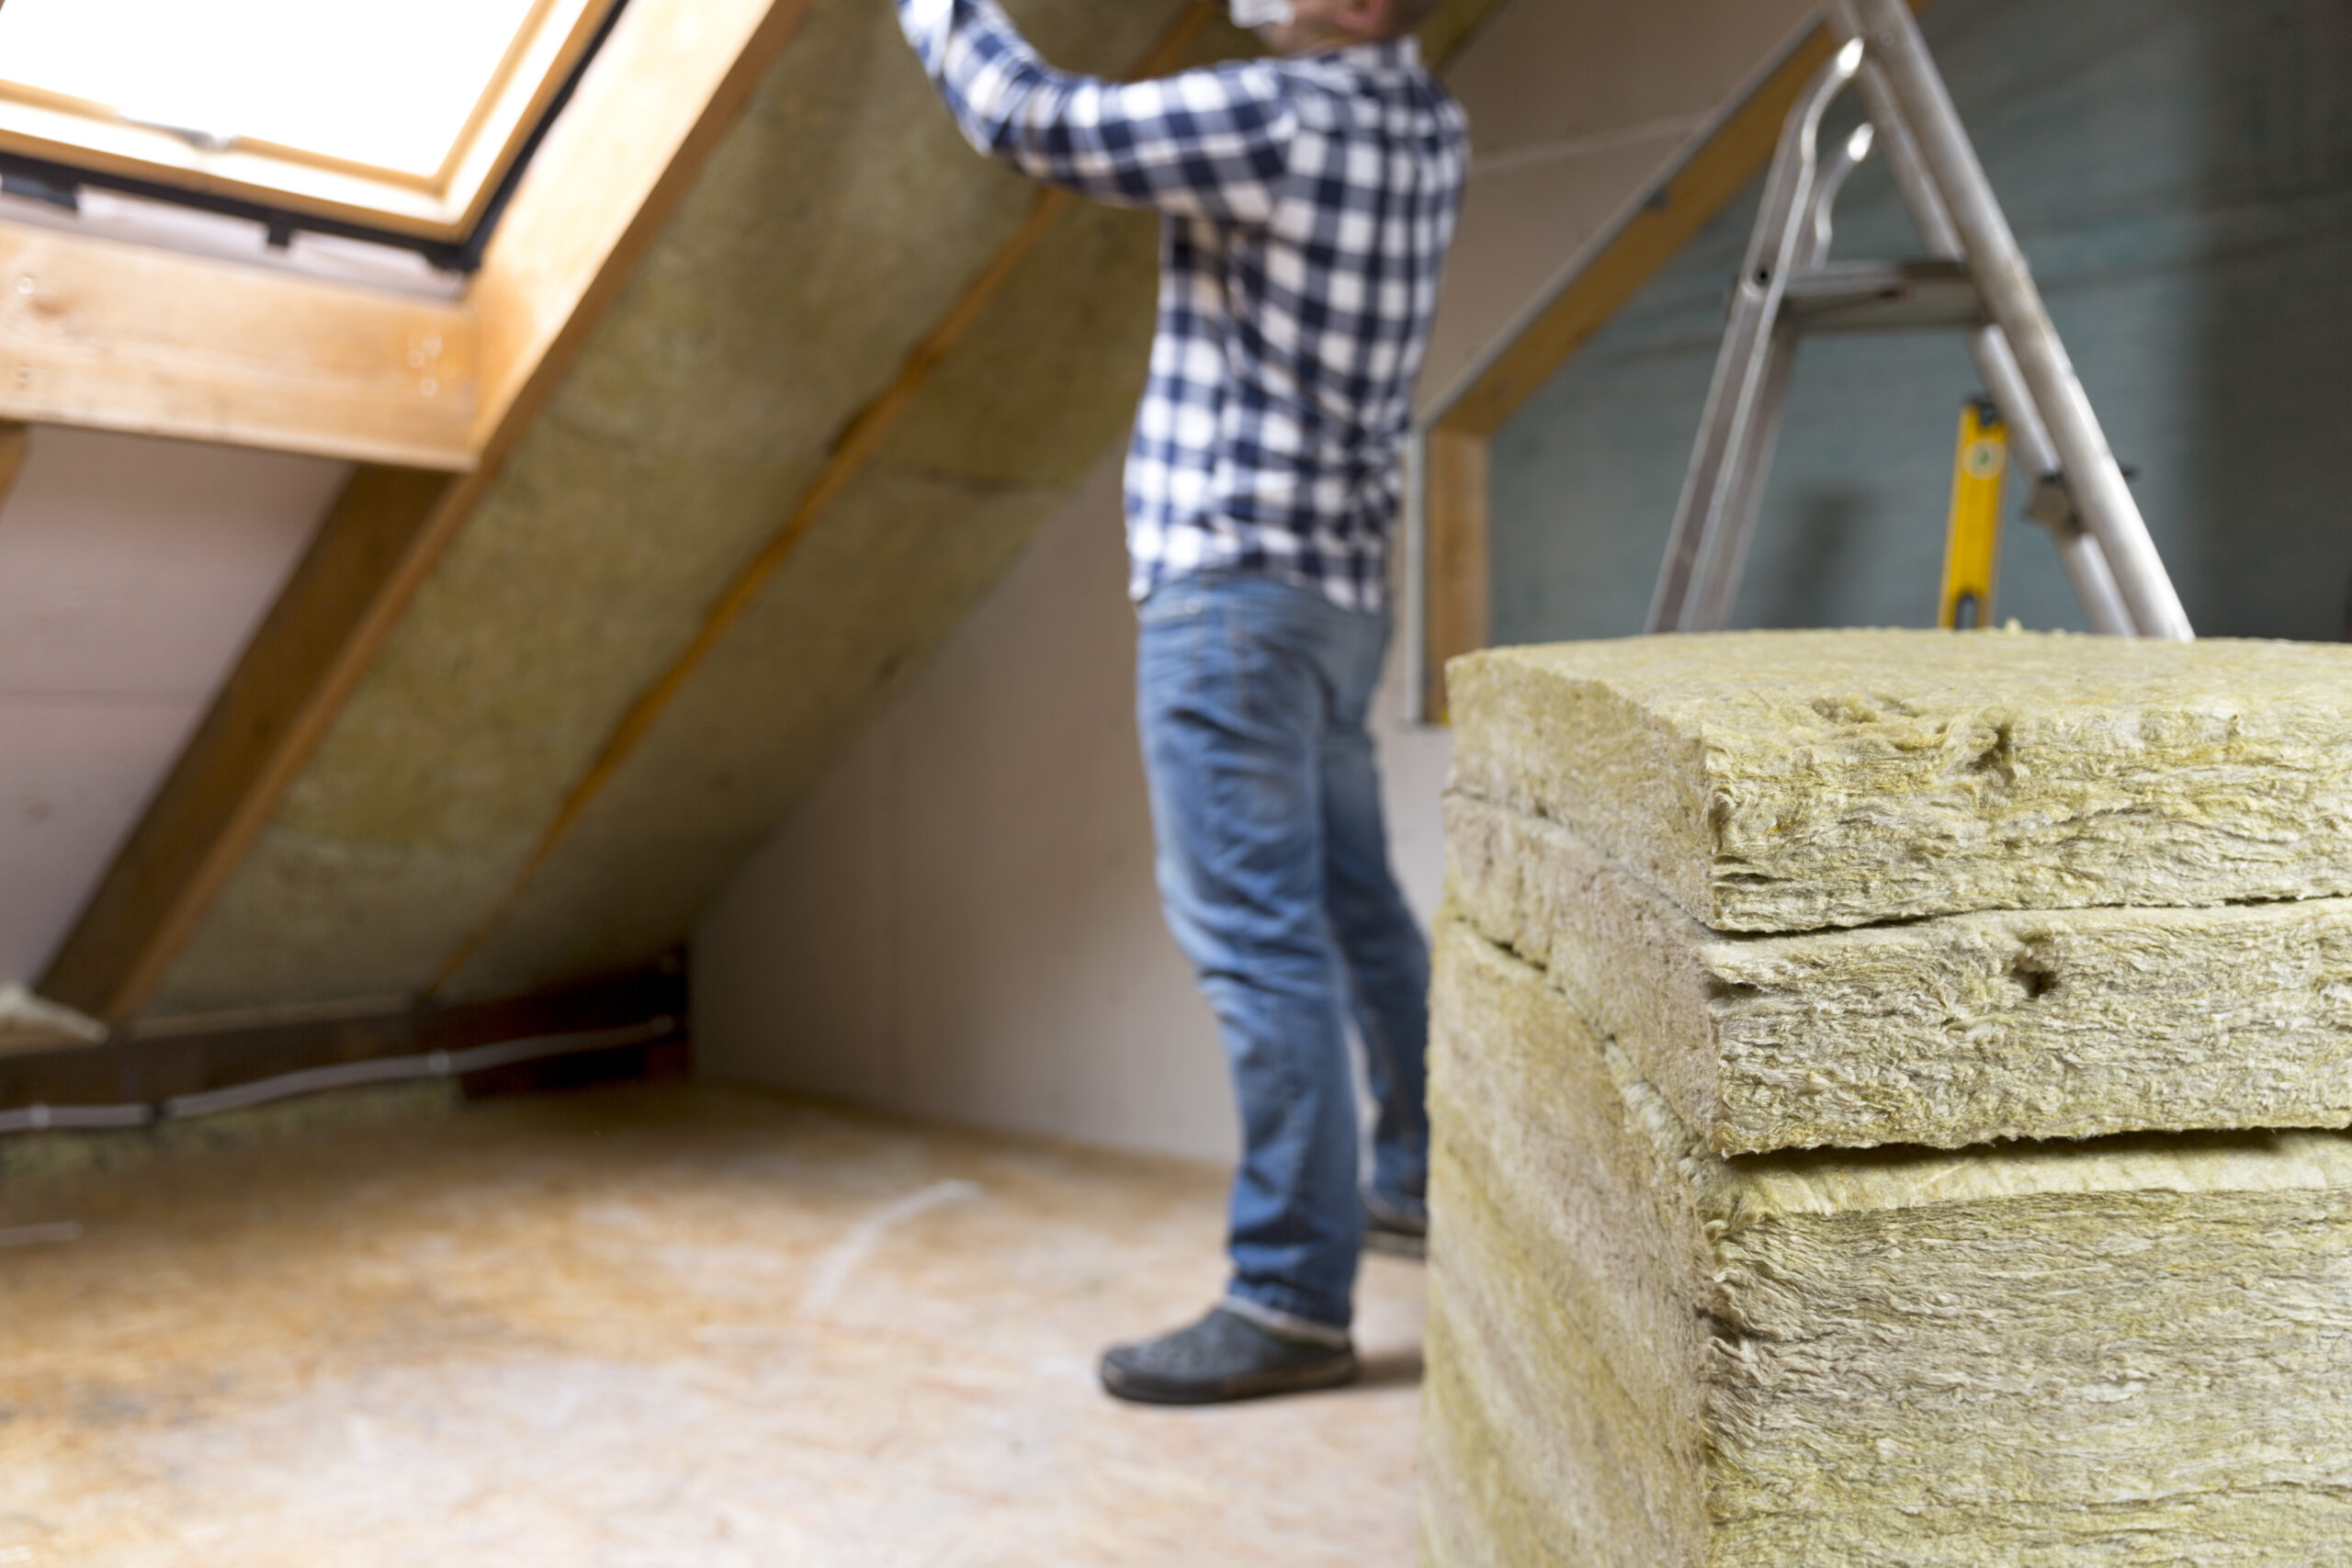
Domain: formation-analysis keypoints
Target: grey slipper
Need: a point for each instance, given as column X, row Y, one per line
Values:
column 1223, row 1356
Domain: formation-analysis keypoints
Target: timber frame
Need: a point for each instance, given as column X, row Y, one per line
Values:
column 1447, row 597
column 116, row 336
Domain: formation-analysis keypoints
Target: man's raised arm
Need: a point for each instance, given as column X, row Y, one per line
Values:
column 1209, row 143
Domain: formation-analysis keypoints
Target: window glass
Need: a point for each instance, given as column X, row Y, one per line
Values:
column 390, row 86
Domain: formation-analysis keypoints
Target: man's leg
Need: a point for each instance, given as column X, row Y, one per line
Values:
column 1232, row 702
column 1387, row 958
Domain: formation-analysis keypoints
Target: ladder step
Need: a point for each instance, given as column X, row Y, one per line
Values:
column 1788, row 288
column 1882, row 296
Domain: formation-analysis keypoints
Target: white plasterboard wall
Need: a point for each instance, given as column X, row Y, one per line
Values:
column 132, row 571
column 960, row 922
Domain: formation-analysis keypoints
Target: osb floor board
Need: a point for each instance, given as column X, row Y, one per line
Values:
column 653, row 1327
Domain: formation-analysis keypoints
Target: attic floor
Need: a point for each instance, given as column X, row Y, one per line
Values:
column 647, row 1326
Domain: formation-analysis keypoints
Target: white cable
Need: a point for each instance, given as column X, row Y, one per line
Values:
column 74, row 1118
column 349, row 1074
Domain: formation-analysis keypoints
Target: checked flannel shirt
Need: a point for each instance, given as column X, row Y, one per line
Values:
column 1308, row 205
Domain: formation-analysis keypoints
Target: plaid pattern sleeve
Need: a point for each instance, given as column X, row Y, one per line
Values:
column 1206, row 143
column 1309, row 206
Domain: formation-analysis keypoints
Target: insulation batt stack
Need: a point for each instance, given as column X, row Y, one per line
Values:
column 1888, row 1093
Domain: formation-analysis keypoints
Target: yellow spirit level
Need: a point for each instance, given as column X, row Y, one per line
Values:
column 1972, row 546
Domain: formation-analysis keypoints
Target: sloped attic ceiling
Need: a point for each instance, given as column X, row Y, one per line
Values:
column 678, row 600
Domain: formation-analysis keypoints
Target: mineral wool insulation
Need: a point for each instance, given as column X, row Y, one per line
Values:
column 1755, row 943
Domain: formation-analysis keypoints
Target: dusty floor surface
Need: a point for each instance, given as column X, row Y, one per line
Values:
column 651, row 1328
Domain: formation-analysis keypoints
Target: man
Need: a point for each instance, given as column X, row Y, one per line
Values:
column 1309, row 200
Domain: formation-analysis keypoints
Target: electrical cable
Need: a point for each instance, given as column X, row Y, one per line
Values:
column 350, row 1074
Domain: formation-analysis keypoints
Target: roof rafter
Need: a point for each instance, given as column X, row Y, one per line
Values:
column 652, row 107
column 110, row 335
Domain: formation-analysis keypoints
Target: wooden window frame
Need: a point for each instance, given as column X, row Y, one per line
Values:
column 109, row 335
column 443, row 206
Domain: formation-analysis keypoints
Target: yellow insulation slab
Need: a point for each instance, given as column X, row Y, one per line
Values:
column 2133, row 1350
column 1948, row 1031
column 1788, row 781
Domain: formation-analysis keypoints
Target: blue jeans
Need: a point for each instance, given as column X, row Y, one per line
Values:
column 1252, row 697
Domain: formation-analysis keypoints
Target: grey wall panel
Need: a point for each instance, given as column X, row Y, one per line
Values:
column 2180, row 173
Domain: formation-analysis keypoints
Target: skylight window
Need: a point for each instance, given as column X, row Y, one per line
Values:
column 400, row 115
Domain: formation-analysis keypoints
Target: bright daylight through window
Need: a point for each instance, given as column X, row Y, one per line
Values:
column 401, row 115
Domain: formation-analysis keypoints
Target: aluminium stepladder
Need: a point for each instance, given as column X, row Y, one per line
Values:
column 1973, row 278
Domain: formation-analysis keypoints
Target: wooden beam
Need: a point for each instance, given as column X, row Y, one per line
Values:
column 653, row 104
column 666, row 87
column 259, row 730
column 14, row 439
column 117, row 336
column 1460, row 573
